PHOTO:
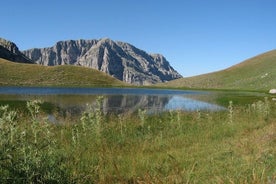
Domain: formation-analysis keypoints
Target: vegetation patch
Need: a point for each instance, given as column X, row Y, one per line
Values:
column 257, row 73
column 18, row 74
column 233, row 146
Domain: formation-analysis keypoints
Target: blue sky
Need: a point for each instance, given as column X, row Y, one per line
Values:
column 196, row 36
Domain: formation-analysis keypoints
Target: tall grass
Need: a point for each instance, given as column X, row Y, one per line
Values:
column 29, row 151
column 233, row 146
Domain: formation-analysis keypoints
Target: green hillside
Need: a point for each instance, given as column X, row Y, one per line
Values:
column 18, row 74
column 257, row 73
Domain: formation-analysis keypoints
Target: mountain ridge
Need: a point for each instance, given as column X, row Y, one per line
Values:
column 118, row 59
column 9, row 50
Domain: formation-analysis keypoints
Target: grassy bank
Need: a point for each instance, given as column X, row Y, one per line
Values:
column 18, row 74
column 257, row 73
column 233, row 146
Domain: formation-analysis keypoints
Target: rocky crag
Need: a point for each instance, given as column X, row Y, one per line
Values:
column 118, row 59
column 9, row 51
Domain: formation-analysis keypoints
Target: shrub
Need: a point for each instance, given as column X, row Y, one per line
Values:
column 29, row 153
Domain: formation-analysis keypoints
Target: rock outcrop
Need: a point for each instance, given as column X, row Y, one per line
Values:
column 9, row 51
column 118, row 59
column 272, row 91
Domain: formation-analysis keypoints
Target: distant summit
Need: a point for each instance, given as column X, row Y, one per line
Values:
column 9, row 51
column 118, row 59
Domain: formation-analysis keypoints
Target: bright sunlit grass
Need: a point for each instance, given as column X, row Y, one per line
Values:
column 257, row 73
column 18, row 74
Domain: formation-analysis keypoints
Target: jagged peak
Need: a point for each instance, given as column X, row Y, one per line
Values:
column 4, row 41
column 9, row 51
column 156, row 55
column 9, row 45
column 119, row 59
column 106, row 41
column 126, row 45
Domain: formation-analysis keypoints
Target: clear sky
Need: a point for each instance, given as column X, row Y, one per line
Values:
column 196, row 36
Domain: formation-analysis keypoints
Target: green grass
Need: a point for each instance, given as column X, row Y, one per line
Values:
column 257, row 73
column 233, row 146
column 18, row 74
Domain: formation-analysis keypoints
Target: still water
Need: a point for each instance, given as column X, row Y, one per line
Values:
column 115, row 100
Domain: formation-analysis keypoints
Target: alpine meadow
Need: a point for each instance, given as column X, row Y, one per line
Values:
column 236, row 144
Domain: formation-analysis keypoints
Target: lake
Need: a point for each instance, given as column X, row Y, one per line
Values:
column 115, row 100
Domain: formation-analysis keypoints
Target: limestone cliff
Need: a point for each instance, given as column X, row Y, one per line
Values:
column 121, row 60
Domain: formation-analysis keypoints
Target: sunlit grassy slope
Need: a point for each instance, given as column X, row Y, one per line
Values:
column 17, row 74
column 257, row 73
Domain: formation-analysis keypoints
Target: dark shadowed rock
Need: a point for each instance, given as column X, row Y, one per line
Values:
column 9, row 51
column 118, row 59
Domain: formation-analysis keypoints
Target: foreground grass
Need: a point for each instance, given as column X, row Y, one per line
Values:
column 234, row 146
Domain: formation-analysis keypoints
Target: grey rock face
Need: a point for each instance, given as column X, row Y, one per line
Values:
column 9, row 51
column 118, row 59
column 272, row 91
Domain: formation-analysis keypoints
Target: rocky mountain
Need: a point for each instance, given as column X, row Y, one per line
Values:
column 9, row 51
column 118, row 59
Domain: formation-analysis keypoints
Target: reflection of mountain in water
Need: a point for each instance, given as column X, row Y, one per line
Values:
column 69, row 107
column 131, row 103
column 63, row 102
column 117, row 104
column 120, row 104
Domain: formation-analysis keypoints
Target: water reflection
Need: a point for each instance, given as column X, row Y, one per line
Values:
column 119, row 104
column 180, row 103
column 68, row 101
column 131, row 103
